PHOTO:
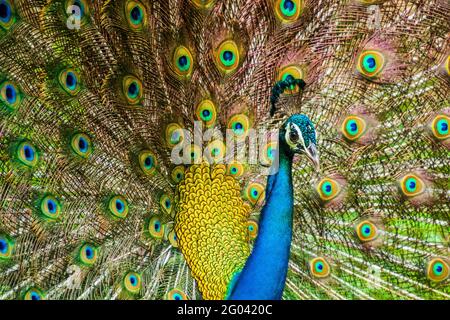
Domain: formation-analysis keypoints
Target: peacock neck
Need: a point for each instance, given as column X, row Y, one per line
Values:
column 264, row 274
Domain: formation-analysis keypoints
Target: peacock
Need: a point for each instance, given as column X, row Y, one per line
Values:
column 224, row 149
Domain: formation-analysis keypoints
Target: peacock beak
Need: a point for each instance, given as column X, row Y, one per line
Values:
column 313, row 155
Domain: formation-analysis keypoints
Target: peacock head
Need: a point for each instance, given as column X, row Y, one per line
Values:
column 298, row 136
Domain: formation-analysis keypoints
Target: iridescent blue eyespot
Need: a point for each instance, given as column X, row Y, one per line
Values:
column 7, row 17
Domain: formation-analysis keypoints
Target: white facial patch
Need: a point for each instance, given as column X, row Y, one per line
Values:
column 291, row 127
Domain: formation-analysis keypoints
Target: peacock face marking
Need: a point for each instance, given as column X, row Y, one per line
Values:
column 299, row 136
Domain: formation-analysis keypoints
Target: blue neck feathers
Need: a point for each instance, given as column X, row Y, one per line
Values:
column 264, row 274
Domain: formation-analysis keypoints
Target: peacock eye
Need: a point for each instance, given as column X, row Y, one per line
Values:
column 135, row 14
column 83, row 9
column 366, row 231
column 147, row 162
column 215, row 151
column 227, row 56
column 439, row 127
column 183, row 62
column 240, row 125
column 10, row 95
column 176, row 294
column 87, row 255
column 353, row 128
column 411, row 185
column 118, row 207
column 269, row 153
column 178, row 174
column 293, row 136
column 288, row 11
column 174, row 134
column 370, row 63
column 132, row 89
column 50, row 208
column 132, row 282
column 165, row 203
column 206, row 112
column 203, row 4
column 437, row 270
column 291, row 72
column 156, row 228
column 172, row 236
column 27, row 154
column 319, row 268
column 254, row 192
column 252, row 227
column 34, row 294
column 69, row 81
column 6, row 247
column 328, row 189
column 81, row 145
column 7, row 15
column 235, row 169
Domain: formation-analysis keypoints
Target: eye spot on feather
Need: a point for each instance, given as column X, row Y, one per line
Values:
column 370, row 63
column 353, row 127
column 136, row 14
column 165, row 203
column 87, row 255
column 291, row 72
column 252, row 227
column 132, row 89
column 118, row 207
column 366, row 231
column 439, row 127
column 227, row 57
column 26, row 154
column 239, row 124
column 7, row 14
column 235, row 169
column 6, row 247
column 69, row 80
column 174, row 134
column 155, row 228
column 147, row 162
column 10, row 95
column 34, row 294
column 81, row 145
column 437, row 270
column 172, row 236
column 176, row 294
column 411, row 185
column 328, row 189
column 50, row 208
column 183, row 62
column 288, row 11
column 132, row 282
column 206, row 111
column 319, row 267
column 203, row 4
column 177, row 174
column 254, row 193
